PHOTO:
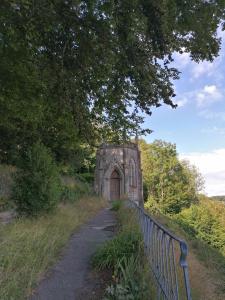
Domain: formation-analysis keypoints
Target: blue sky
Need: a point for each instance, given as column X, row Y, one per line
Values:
column 197, row 126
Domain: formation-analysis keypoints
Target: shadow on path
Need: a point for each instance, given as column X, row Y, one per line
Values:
column 72, row 278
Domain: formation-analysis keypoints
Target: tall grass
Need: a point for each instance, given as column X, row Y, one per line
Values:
column 206, row 263
column 124, row 256
column 29, row 246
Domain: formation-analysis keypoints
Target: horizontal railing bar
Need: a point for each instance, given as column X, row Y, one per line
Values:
column 161, row 226
column 160, row 251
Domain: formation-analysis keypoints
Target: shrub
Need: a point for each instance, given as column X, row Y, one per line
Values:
column 37, row 184
column 205, row 222
column 124, row 245
column 170, row 185
column 116, row 205
column 88, row 177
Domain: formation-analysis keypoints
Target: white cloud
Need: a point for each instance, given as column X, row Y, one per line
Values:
column 204, row 97
column 181, row 60
column 214, row 130
column 181, row 102
column 212, row 166
column 212, row 115
column 208, row 95
column 210, row 89
column 202, row 68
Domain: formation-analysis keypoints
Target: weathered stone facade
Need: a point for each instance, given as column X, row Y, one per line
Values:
column 118, row 172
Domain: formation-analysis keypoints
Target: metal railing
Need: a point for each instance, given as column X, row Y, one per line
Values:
column 167, row 257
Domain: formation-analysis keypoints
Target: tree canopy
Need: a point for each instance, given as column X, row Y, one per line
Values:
column 74, row 72
column 171, row 184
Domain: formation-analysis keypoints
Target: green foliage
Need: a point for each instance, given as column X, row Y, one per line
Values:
column 171, row 184
column 30, row 246
column 88, row 177
column 124, row 245
column 69, row 194
column 201, row 254
column 205, row 221
column 63, row 91
column 116, row 205
column 73, row 189
column 145, row 191
column 124, row 254
column 37, row 185
column 132, row 281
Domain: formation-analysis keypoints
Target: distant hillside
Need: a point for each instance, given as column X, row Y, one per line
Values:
column 218, row 198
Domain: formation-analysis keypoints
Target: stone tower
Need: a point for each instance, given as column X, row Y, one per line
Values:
column 118, row 172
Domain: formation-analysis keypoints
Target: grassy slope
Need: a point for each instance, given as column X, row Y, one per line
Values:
column 206, row 265
column 29, row 247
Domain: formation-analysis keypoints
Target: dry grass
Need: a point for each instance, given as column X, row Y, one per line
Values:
column 29, row 246
column 206, row 265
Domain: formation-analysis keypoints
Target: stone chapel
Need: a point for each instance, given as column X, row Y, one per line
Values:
column 118, row 172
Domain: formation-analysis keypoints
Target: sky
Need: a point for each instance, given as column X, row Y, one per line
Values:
column 197, row 125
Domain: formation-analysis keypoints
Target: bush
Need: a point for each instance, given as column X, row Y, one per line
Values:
column 116, row 205
column 205, row 222
column 170, row 185
column 36, row 187
column 124, row 245
column 88, row 177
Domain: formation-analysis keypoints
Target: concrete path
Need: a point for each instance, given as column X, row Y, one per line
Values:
column 71, row 278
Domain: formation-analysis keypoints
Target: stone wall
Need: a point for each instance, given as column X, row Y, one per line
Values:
column 125, row 159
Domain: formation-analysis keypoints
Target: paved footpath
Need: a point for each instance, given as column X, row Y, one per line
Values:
column 70, row 278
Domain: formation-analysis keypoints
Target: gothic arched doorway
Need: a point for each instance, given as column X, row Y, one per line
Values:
column 115, row 185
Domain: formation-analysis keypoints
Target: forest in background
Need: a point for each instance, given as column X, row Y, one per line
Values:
column 173, row 191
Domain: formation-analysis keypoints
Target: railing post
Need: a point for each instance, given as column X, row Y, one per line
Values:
column 159, row 249
column 184, row 265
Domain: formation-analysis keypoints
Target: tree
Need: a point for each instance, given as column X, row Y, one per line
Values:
column 100, row 62
column 172, row 185
column 205, row 221
column 37, row 184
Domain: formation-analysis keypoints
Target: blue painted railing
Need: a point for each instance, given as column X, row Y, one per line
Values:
column 162, row 249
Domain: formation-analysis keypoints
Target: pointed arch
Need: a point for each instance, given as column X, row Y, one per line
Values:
column 115, row 185
column 114, row 165
column 114, row 168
